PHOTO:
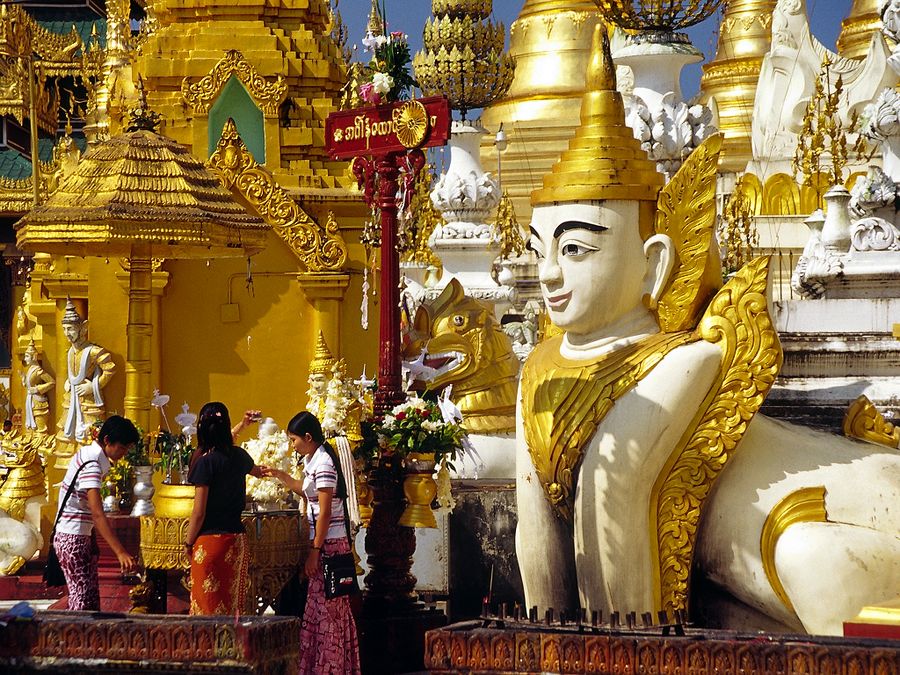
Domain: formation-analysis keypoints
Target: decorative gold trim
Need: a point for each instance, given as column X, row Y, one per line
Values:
column 319, row 248
column 687, row 213
column 738, row 321
column 806, row 505
column 411, row 124
column 201, row 95
column 865, row 423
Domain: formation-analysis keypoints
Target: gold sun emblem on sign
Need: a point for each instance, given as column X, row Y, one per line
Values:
column 410, row 124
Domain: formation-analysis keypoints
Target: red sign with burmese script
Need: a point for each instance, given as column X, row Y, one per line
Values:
column 394, row 127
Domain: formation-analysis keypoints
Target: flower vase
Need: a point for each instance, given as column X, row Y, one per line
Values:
column 111, row 500
column 143, row 491
column 124, row 496
column 420, row 490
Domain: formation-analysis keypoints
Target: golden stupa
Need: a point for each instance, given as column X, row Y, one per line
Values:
column 551, row 42
column 857, row 29
column 729, row 81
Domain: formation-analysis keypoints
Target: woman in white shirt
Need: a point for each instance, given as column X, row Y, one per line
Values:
column 328, row 641
column 83, row 511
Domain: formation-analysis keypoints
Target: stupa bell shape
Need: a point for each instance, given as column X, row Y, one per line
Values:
column 857, row 29
column 551, row 42
column 729, row 81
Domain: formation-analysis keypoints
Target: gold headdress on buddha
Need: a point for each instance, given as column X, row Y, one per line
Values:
column 323, row 361
column 604, row 159
column 71, row 315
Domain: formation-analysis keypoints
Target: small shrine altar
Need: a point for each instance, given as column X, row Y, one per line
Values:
column 67, row 642
column 278, row 543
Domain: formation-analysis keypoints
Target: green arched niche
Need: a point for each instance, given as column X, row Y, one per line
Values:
column 234, row 102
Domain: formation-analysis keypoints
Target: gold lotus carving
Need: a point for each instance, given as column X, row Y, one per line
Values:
column 738, row 321
column 686, row 212
column 267, row 95
column 410, row 124
column 320, row 249
column 865, row 423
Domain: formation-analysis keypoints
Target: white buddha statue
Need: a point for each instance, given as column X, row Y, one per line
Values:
column 90, row 368
column 629, row 422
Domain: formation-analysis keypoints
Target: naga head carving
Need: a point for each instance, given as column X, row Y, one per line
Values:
column 456, row 341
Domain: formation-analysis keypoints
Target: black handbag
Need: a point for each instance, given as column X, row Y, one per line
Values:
column 53, row 574
column 340, row 575
column 339, row 568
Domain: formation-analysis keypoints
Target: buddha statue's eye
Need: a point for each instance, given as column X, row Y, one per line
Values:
column 573, row 249
column 459, row 320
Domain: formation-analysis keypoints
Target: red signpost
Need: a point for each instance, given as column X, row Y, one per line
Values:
column 381, row 139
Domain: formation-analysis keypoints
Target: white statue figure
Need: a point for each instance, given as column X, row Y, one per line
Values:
column 37, row 383
column 90, row 368
column 640, row 453
column 319, row 374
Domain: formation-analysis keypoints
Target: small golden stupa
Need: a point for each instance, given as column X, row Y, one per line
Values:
column 141, row 195
column 857, row 29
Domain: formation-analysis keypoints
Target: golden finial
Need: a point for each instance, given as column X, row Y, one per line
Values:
column 376, row 21
column 323, row 361
column 604, row 160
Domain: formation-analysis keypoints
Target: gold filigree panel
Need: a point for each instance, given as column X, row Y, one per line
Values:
column 738, row 321
column 320, row 249
column 865, row 423
column 267, row 95
column 687, row 213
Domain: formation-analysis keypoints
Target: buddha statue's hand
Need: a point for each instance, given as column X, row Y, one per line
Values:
column 84, row 388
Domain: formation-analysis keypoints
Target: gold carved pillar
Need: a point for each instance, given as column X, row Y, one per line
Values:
column 150, row 343
column 325, row 291
column 139, row 334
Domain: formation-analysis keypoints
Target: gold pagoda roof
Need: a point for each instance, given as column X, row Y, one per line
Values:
column 141, row 188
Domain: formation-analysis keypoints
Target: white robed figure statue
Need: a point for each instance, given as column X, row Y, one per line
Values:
column 37, row 383
column 90, row 368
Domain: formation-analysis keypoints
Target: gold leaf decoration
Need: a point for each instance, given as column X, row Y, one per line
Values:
column 865, row 423
column 320, row 249
column 738, row 321
column 686, row 212
column 267, row 95
column 411, row 124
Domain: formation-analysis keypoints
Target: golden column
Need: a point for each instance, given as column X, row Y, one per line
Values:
column 139, row 336
column 729, row 80
column 551, row 43
column 856, row 30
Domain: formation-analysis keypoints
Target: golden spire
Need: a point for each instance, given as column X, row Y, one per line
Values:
column 604, row 160
column 729, row 81
column 323, row 361
column 376, row 21
column 857, row 29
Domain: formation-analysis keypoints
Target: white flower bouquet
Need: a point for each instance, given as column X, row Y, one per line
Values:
column 270, row 449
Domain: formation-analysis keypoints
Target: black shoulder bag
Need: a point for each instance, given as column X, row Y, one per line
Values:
column 53, row 574
column 339, row 568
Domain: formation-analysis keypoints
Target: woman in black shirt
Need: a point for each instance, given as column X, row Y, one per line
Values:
column 216, row 541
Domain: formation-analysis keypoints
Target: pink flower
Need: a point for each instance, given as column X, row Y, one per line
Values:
column 368, row 94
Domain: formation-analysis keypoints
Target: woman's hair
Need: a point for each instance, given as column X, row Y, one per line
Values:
column 306, row 423
column 214, row 428
column 117, row 429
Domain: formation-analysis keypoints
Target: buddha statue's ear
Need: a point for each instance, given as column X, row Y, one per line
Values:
column 660, row 253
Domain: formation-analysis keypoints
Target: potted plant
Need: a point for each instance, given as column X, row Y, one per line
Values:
column 418, row 432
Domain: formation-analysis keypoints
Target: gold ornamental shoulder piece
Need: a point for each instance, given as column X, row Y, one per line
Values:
column 738, row 321
column 564, row 401
column 410, row 124
column 686, row 212
column 865, row 423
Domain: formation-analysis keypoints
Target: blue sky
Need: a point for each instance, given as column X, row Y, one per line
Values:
column 410, row 15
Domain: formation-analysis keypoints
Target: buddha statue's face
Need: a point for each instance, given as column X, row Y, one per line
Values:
column 318, row 383
column 591, row 262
